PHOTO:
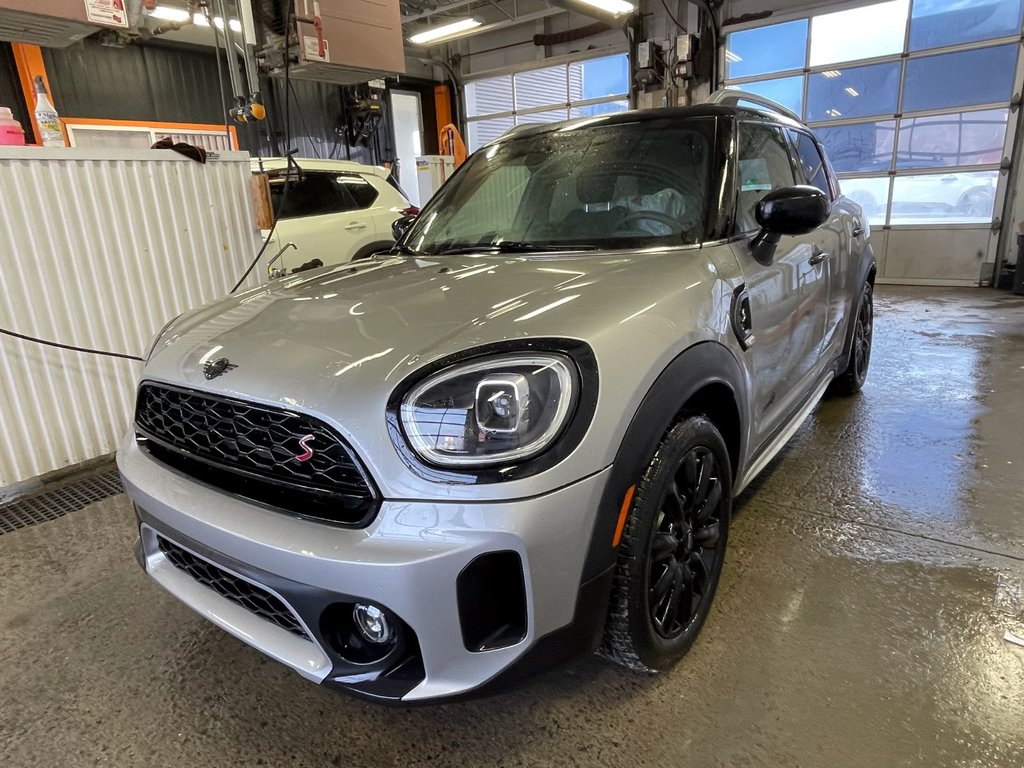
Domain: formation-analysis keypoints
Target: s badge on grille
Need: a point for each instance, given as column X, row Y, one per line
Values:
column 306, row 443
column 218, row 367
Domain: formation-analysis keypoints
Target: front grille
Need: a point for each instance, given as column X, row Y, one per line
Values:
column 235, row 589
column 252, row 450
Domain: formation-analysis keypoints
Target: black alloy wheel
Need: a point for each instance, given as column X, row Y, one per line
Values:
column 851, row 380
column 672, row 549
column 684, row 550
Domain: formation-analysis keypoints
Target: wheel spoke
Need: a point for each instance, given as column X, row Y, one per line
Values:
column 711, row 502
column 681, row 596
column 690, row 469
column 699, row 569
column 663, row 546
column 707, row 468
column 707, row 536
column 675, row 502
column 662, row 586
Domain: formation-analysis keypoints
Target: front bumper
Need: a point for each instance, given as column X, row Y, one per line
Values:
column 408, row 560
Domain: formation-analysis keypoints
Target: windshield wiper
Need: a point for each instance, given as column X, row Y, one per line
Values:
column 517, row 246
column 405, row 250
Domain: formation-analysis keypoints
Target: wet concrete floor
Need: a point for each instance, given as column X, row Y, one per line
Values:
column 873, row 572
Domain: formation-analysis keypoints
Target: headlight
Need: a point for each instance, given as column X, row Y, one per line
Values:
column 158, row 337
column 503, row 409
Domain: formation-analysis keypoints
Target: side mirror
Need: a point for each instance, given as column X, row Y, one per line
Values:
column 788, row 211
column 400, row 226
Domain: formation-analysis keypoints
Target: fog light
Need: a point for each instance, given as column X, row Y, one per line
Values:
column 372, row 623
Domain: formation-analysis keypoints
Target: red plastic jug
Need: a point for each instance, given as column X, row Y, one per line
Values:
column 10, row 129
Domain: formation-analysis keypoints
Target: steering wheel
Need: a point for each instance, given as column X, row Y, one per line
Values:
column 662, row 218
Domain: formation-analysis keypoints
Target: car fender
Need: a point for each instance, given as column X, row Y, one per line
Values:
column 693, row 369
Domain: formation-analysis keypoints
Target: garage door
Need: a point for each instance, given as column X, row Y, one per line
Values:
column 912, row 100
column 580, row 88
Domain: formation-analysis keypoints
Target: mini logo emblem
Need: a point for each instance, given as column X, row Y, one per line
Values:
column 306, row 443
column 218, row 367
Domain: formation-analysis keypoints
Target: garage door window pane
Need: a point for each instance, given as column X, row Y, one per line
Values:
column 967, row 138
column 853, row 92
column 859, row 148
column 597, row 78
column 983, row 76
column 871, row 193
column 761, row 51
column 787, row 91
column 541, row 87
column 605, row 108
column 485, row 97
column 482, row 132
column 551, row 116
column 944, row 198
column 935, row 23
column 861, row 33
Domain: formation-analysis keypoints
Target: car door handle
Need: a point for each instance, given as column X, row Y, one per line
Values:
column 355, row 226
column 817, row 257
column 858, row 231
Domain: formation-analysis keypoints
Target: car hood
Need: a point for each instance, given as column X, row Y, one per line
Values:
column 337, row 342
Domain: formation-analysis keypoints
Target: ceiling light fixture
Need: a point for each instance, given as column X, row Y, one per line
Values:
column 169, row 13
column 444, row 32
column 614, row 7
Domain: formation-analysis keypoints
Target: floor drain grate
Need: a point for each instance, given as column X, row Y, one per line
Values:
column 67, row 497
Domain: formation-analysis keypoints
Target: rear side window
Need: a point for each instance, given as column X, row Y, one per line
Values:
column 361, row 190
column 312, row 194
column 810, row 161
column 764, row 165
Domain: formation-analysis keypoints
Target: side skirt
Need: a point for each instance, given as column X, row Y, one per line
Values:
column 776, row 444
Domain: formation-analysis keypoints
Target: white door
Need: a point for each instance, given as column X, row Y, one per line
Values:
column 407, row 119
column 320, row 220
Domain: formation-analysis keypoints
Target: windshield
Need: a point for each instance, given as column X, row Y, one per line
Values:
column 623, row 185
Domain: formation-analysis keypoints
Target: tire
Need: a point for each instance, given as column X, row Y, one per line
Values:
column 672, row 548
column 976, row 202
column 851, row 380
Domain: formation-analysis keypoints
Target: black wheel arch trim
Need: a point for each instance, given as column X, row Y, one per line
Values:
column 864, row 274
column 704, row 364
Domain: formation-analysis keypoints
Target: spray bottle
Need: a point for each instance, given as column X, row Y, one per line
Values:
column 46, row 117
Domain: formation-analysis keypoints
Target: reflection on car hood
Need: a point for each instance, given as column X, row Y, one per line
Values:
column 356, row 325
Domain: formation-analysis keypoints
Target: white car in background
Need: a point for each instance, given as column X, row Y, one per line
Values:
column 334, row 211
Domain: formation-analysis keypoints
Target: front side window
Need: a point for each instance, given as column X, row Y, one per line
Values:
column 811, row 161
column 622, row 185
column 764, row 166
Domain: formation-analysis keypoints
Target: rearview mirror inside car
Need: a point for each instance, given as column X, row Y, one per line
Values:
column 788, row 211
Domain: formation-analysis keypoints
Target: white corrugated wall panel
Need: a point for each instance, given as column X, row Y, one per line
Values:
column 99, row 249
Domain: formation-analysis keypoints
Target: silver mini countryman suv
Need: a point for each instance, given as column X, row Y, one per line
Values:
column 517, row 436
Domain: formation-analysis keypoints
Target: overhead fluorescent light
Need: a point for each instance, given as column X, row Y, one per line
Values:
column 444, row 32
column 169, row 13
column 852, row 91
column 614, row 7
column 831, row 73
column 732, row 57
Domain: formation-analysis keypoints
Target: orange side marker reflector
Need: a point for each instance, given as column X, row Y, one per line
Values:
column 622, row 516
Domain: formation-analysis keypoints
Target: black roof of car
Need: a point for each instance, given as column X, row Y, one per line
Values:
column 641, row 115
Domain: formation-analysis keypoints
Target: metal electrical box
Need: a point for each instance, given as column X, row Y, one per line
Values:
column 431, row 172
column 355, row 40
column 58, row 23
